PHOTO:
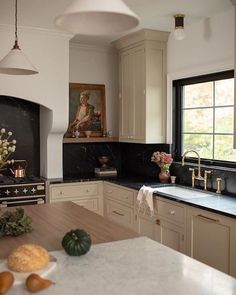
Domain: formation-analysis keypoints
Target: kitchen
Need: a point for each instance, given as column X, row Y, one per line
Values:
column 62, row 64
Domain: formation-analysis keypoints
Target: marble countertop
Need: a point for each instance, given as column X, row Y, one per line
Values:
column 222, row 204
column 217, row 203
column 132, row 267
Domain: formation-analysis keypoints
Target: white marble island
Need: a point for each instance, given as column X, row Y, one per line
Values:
column 132, row 267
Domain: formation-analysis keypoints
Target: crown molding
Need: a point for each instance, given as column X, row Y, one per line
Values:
column 33, row 30
column 90, row 47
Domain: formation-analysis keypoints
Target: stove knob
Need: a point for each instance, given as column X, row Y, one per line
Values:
column 7, row 192
column 16, row 191
column 25, row 190
column 33, row 190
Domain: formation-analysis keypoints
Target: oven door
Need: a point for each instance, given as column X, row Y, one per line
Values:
column 13, row 202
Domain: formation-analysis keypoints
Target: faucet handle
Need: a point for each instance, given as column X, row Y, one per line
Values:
column 207, row 172
column 193, row 175
column 218, row 180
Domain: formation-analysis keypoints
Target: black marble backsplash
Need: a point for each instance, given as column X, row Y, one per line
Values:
column 228, row 176
column 134, row 160
column 79, row 160
column 21, row 117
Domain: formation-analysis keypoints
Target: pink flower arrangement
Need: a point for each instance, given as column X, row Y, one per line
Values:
column 163, row 160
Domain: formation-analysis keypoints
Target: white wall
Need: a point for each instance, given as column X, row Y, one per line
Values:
column 49, row 52
column 207, row 48
column 97, row 65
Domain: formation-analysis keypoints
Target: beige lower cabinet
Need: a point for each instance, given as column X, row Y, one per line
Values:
column 119, row 204
column 86, row 194
column 170, row 224
column 211, row 239
column 167, row 226
column 146, row 225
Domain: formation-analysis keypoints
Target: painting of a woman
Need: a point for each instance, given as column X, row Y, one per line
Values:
column 85, row 114
column 86, row 109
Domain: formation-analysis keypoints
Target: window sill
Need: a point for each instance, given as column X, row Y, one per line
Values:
column 204, row 166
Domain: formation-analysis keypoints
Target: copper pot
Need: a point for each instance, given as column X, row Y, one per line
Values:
column 18, row 169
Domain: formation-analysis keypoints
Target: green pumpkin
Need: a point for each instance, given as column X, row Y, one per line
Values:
column 76, row 242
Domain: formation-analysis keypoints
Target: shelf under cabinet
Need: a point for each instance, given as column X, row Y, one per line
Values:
column 90, row 139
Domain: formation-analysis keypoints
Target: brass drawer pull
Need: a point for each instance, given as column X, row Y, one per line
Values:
column 118, row 213
column 208, row 218
column 172, row 212
column 158, row 222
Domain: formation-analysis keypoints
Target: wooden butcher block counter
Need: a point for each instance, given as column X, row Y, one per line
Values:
column 50, row 222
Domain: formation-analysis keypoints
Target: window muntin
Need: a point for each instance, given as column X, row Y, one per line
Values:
column 205, row 114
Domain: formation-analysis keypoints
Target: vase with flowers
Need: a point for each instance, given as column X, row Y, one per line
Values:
column 7, row 147
column 163, row 160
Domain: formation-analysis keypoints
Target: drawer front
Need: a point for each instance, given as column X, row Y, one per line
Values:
column 119, row 213
column 170, row 211
column 119, row 194
column 90, row 204
column 72, row 191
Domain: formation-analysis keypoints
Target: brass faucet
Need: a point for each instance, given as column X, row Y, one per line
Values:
column 198, row 176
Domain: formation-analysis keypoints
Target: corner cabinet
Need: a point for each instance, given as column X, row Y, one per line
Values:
column 86, row 194
column 142, row 86
column 119, row 204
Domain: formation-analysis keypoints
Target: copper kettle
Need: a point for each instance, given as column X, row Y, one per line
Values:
column 19, row 167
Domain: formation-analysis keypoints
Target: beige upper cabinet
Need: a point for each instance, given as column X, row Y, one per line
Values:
column 142, row 86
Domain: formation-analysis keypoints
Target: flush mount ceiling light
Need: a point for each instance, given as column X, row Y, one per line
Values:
column 15, row 62
column 179, row 26
column 93, row 17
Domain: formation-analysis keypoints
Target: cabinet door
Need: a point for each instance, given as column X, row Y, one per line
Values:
column 170, row 235
column 126, row 95
column 132, row 96
column 146, row 226
column 139, row 108
column 210, row 241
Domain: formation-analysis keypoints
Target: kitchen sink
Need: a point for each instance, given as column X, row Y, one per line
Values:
column 181, row 192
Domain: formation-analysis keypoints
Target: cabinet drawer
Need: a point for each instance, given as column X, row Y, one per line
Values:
column 170, row 211
column 90, row 204
column 71, row 191
column 119, row 213
column 119, row 194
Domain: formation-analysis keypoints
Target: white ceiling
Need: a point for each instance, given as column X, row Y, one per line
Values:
column 153, row 14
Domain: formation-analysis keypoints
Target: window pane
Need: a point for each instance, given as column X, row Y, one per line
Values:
column 224, row 92
column 201, row 143
column 198, row 120
column 224, row 120
column 224, row 148
column 198, row 95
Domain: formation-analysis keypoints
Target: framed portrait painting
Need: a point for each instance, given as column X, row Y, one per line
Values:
column 86, row 109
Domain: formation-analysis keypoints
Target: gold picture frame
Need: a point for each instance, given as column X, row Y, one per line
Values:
column 87, row 111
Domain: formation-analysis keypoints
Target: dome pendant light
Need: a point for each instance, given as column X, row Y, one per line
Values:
column 15, row 62
column 179, row 26
column 93, row 17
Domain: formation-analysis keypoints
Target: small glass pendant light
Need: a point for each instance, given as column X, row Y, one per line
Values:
column 97, row 17
column 15, row 62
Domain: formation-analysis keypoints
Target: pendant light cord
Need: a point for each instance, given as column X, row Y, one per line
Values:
column 16, row 46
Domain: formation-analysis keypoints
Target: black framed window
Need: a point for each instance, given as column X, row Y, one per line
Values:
column 203, row 116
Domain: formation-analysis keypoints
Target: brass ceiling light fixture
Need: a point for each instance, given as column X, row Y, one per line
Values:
column 15, row 62
column 93, row 17
column 179, row 26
